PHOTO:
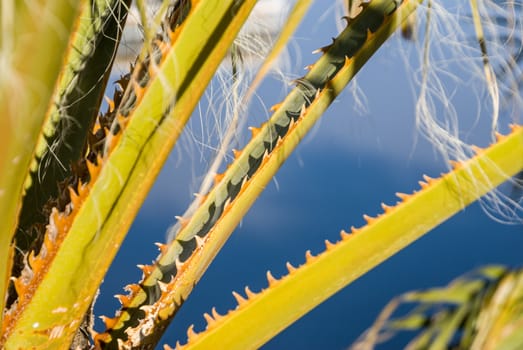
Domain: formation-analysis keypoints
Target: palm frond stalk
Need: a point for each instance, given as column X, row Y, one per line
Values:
column 73, row 177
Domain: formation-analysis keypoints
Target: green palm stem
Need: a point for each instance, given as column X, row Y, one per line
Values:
column 30, row 32
column 74, row 107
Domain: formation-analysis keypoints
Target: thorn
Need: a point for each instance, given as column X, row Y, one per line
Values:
column 54, row 218
column 344, row 235
column 308, row 256
column 123, row 299
column 167, row 347
column 49, row 246
column 208, row 318
column 476, row 149
column 99, row 161
column 368, row 219
column 179, row 264
column 290, row 268
column 132, row 288
column 19, row 286
column 270, row 278
column 215, row 314
column 275, row 107
column 266, row 154
column 308, row 67
column 163, row 248
column 148, row 309
column 75, row 199
column 164, row 287
column 402, row 196
column 236, row 153
column 93, row 170
column 110, row 103
column 291, row 124
column 328, row 245
column 455, row 164
column 354, row 230
column 278, row 140
column 32, row 259
column 218, row 178
column 109, row 322
column 191, row 334
column 347, row 19
column 227, row 205
column 83, row 188
column 250, row 294
column 386, row 208
column 320, row 50
column 202, row 197
column 146, row 269
column 183, row 221
column 423, row 184
column 499, row 136
column 514, row 127
column 324, row 49
column 199, row 241
column 429, row 180
column 239, row 299
column 102, row 338
column 244, row 181
column 304, row 107
column 140, row 266
column 254, row 131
